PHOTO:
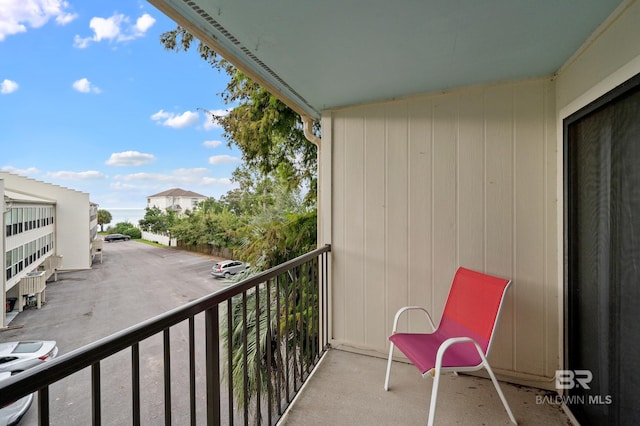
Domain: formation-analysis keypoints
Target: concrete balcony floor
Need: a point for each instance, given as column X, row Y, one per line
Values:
column 347, row 389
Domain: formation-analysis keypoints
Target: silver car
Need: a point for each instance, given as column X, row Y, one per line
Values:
column 19, row 356
column 12, row 413
column 227, row 268
column 14, row 358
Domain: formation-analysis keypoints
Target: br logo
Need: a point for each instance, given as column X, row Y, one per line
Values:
column 570, row 379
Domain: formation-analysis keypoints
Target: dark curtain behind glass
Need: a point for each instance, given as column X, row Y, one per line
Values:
column 603, row 288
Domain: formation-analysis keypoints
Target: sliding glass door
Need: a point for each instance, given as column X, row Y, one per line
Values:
column 602, row 247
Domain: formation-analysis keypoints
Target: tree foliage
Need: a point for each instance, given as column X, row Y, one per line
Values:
column 202, row 226
column 268, row 219
column 274, row 242
column 157, row 221
column 281, row 319
column 268, row 132
column 104, row 217
column 126, row 228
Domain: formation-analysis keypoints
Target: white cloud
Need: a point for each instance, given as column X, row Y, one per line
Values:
column 85, row 86
column 30, row 171
column 130, row 158
column 116, row 28
column 137, row 186
column 180, row 177
column 8, row 86
column 160, row 115
column 211, row 144
column 65, row 18
column 219, row 112
column 223, row 159
column 144, row 177
column 106, row 29
column 17, row 15
column 122, row 186
column 143, row 23
column 88, row 175
column 216, row 181
column 191, row 172
column 80, row 42
column 171, row 119
column 210, row 121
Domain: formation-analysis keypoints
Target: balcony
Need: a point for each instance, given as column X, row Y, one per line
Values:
column 346, row 389
column 286, row 374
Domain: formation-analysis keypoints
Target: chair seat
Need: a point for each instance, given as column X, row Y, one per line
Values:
column 421, row 349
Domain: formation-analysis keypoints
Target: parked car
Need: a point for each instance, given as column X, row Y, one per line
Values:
column 12, row 413
column 19, row 356
column 227, row 268
column 116, row 237
column 16, row 357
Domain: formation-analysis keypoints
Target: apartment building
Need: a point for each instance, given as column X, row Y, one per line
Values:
column 176, row 199
column 43, row 231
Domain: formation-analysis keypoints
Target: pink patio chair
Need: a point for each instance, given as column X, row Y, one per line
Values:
column 463, row 339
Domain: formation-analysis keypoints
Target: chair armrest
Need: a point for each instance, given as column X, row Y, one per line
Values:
column 410, row 308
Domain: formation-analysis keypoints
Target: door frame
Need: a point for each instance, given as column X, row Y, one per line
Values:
column 567, row 247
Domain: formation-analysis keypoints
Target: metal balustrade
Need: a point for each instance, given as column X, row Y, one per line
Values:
column 271, row 360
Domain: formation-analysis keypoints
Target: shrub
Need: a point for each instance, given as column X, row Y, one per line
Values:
column 126, row 228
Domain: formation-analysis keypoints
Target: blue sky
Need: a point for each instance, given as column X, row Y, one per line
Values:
column 90, row 100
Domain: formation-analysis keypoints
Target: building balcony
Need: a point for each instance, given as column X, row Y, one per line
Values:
column 282, row 372
column 346, row 388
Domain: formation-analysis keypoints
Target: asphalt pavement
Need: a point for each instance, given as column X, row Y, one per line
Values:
column 134, row 282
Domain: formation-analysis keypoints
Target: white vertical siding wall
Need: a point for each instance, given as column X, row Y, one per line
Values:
column 421, row 186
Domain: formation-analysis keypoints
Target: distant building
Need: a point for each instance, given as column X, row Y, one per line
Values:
column 175, row 199
column 43, row 227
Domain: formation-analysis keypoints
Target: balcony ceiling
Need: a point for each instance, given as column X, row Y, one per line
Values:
column 318, row 55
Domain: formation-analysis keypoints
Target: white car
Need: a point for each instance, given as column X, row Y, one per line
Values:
column 16, row 357
column 12, row 413
column 19, row 356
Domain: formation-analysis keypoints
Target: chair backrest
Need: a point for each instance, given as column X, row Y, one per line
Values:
column 473, row 306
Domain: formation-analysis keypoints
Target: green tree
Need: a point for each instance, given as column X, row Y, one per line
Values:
column 210, row 205
column 277, row 157
column 292, row 326
column 104, row 217
column 126, row 228
column 274, row 242
column 209, row 223
column 157, row 221
column 268, row 132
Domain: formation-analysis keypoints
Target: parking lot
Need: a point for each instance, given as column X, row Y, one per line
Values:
column 134, row 282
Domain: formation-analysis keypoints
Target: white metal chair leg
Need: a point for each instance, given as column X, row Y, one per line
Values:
column 499, row 389
column 434, row 397
column 386, row 379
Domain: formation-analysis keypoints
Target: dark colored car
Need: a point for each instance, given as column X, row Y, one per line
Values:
column 116, row 237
